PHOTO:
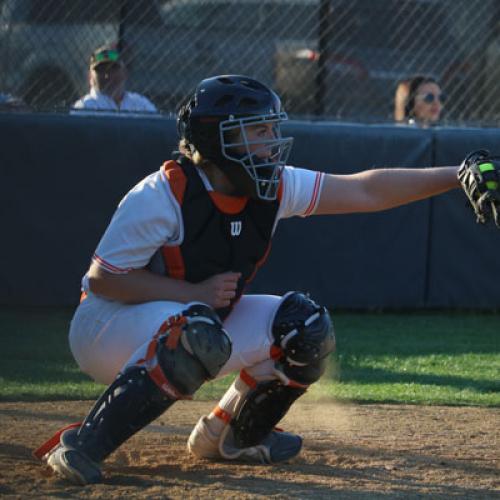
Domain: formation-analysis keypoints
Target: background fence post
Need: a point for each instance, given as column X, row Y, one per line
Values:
column 323, row 35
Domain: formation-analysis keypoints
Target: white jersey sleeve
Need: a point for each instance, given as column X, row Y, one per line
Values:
column 301, row 191
column 147, row 218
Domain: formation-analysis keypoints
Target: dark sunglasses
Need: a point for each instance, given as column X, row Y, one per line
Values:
column 430, row 97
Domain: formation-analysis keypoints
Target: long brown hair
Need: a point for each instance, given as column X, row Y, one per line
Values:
column 414, row 84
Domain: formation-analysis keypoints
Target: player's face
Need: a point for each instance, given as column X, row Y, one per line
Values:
column 256, row 136
column 109, row 78
column 428, row 103
column 255, row 143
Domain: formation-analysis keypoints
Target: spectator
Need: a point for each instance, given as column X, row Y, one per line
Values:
column 400, row 100
column 107, row 79
column 9, row 102
column 424, row 102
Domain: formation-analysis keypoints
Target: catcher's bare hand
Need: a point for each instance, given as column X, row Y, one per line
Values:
column 219, row 290
column 479, row 175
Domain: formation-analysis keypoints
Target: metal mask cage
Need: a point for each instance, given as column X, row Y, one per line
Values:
column 262, row 159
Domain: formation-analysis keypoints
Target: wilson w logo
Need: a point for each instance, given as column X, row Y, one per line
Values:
column 235, row 228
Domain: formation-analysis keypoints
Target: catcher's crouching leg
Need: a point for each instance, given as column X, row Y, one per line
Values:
column 188, row 349
column 242, row 426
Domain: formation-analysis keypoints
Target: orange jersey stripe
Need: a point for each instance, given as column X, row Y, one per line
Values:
column 176, row 179
column 315, row 194
column 172, row 255
column 259, row 264
column 174, row 262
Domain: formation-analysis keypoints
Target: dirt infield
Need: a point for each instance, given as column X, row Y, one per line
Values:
column 350, row 451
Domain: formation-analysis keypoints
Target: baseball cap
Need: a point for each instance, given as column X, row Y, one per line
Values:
column 105, row 54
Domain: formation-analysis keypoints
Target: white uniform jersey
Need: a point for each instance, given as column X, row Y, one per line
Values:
column 106, row 336
column 100, row 103
column 149, row 217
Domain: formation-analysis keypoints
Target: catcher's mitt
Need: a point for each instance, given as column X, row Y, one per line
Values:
column 479, row 175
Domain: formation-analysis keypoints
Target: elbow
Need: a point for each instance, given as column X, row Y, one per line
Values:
column 98, row 280
column 97, row 285
column 109, row 285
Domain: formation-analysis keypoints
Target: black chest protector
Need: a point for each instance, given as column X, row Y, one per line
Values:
column 221, row 233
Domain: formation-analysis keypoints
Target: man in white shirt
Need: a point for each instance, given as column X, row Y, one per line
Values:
column 108, row 78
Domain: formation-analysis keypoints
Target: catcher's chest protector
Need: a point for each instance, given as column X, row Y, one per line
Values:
column 221, row 233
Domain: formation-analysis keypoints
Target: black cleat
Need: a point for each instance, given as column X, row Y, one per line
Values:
column 72, row 464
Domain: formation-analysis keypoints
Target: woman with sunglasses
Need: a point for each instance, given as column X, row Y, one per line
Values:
column 424, row 102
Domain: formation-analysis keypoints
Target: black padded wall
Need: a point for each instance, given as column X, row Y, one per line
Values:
column 63, row 176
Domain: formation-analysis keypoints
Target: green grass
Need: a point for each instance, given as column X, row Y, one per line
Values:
column 431, row 358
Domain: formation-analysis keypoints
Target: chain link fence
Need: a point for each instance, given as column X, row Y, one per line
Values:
column 337, row 59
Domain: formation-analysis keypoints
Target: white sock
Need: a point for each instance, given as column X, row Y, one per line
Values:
column 224, row 411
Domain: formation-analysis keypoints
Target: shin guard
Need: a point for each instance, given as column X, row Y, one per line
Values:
column 263, row 407
column 130, row 403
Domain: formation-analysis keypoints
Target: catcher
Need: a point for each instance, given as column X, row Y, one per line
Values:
column 164, row 309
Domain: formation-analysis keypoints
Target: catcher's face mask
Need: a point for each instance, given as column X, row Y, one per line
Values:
column 255, row 143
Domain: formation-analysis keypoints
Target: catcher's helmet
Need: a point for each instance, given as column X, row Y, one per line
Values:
column 214, row 120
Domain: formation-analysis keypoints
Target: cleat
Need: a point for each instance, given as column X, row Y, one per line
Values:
column 202, row 442
column 68, row 462
column 74, row 466
column 282, row 446
column 69, row 438
column 277, row 447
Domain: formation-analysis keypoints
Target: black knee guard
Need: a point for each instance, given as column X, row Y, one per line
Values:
column 189, row 349
column 199, row 352
column 263, row 408
column 304, row 333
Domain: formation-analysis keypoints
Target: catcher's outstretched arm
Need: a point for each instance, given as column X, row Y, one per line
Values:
column 380, row 189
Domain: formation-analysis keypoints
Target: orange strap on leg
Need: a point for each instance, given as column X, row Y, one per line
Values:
column 173, row 325
column 222, row 414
